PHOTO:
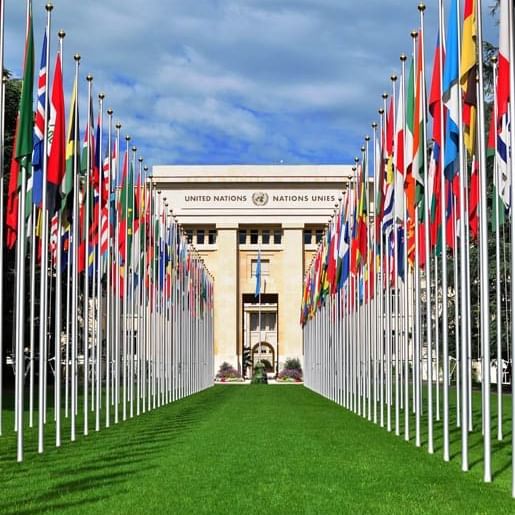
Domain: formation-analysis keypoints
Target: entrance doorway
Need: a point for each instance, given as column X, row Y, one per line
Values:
column 260, row 325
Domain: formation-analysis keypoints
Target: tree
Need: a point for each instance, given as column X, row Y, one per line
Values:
column 12, row 99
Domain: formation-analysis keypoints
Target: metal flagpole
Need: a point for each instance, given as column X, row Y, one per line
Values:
column 99, row 328
column 32, row 316
column 86, row 312
column 58, row 300
column 464, row 270
column 117, row 315
column 512, row 242
column 43, row 306
column 422, row 8
column 109, row 279
column 483, row 214
column 125, row 286
column 375, row 334
column 403, row 59
column 395, row 363
column 498, row 313
column 443, row 222
column 2, row 202
column 75, row 257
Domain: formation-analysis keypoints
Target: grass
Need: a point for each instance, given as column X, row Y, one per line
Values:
column 250, row 449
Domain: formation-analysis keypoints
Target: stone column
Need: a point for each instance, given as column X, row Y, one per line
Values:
column 224, row 266
column 290, row 283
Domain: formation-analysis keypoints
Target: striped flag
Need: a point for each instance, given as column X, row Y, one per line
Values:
column 451, row 94
column 39, row 131
column 468, row 75
column 503, row 178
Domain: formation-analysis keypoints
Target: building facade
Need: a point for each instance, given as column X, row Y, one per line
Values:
column 232, row 213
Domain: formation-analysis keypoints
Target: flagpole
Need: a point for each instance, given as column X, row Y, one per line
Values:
column 58, row 307
column 20, row 263
column 99, row 330
column 443, row 222
column 483, row 214
column 109, row 278
column 2, row 202
column 75, row 258
column 395, row 364
column 421, row 9
column 117, row 314
column 512, row 242
column 43, row 307
column 377, row 335
column 498, row 313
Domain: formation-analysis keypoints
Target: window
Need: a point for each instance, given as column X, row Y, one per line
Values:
column 254, row 233
column 278, row 237
column 265, row 267
column 211, row 237
column 201, row 237
column 265, row 237
column 242, row 236
column 189, row 235
column 318, row 235
column 307, row 236
column 268, row 322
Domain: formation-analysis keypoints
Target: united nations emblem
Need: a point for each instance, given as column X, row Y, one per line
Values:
column 260, row 198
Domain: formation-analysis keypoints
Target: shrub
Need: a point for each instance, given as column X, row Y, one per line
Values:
column 292, row 371
column 227, row 371
column 292, row 364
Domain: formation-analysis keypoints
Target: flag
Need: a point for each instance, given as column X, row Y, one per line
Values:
column 23, row 136
column 57, row 142
column 258, row 275
column 39, row 130
column 399, row 158
column 503, row 178
column 468, row 74
column 450, row 94
column 72, row 152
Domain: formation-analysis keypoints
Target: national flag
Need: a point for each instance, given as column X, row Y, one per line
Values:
column 72, row 155
column 39, row 130
column 451, row 94
column 468, row 74
column 57, row 139
column 23, row 136
column 503, row 177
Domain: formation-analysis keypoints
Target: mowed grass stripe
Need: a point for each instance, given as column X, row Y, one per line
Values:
column 252, row 449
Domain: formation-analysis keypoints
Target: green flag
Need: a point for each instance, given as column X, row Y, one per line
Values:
column 24, row 140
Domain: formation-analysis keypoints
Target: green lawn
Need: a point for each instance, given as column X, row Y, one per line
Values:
column 249, row 449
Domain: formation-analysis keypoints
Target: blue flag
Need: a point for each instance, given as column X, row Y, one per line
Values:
column 39, row 131
column 258, row 275
column 451, row 92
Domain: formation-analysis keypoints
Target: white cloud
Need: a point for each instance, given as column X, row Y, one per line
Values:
column 235, row 80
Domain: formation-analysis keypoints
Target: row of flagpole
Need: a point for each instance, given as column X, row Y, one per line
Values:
column 125, row 315
column 379, row 294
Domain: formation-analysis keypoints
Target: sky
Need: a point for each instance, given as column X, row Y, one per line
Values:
column 234, row 81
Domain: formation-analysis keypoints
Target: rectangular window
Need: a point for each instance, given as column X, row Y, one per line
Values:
column 278, row 237
column 201, row 236
column 318, row 235
column 189, row 235
column 265, row 237
column 265, row 267
column 254, row 233
column 307, row 236
column 212, row 237
column 243, row 236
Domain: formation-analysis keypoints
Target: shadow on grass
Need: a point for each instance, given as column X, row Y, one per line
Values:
column 99, row 465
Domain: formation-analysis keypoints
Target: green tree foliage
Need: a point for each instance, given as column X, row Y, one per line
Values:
column 12, row 99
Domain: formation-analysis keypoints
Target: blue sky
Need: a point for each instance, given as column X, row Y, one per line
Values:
column 235, row 81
